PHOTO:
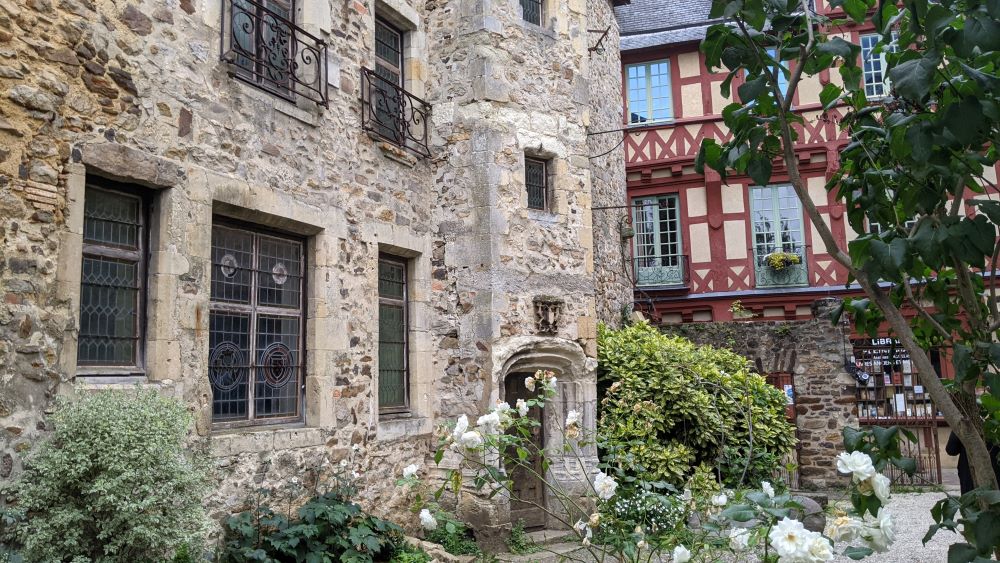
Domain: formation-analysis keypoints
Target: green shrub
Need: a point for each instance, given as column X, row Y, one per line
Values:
column 520, row 543
column 113, row 482
column 326, row 528
column 454, row 536
column 673, row 406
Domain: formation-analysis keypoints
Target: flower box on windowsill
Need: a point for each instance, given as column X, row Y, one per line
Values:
column 779, row 261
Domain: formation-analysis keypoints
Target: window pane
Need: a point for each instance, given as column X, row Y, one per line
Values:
column 638, row 104
column 229, row 364
column 109, row 297
column 391, row 279
column 391, row 356
column 276, row 382
column 531, row 11
column 279, row 272
column 232, row 264
column 534, row 181
column 111, row 218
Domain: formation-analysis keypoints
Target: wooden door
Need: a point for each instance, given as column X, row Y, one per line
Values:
column 528, row 487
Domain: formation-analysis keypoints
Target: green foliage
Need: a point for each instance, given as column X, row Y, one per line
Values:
column 409, row 554
column 519, row 542
column 114, row 482
column 675, row 406
column 326, row 528
column 454, row 536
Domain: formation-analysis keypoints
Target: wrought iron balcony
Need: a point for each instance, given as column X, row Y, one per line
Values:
column 661, row 270
column 391, row 113
column 265, row 48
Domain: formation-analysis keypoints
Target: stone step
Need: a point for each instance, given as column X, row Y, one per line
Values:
column 551, row 553
column 549, row 537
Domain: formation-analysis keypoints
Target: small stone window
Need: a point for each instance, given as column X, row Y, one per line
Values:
column 393, row 335
column 531, row 11
column 536, row 181
column 256, row 326
column 112, row 283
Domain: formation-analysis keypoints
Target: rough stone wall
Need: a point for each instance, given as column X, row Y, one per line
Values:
column 136, row 92
column 607, row 168
column 824, row 393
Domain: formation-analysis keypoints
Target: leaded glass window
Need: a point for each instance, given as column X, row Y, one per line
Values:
column 393, row 367
column 649, row 95
column 389, row 73
column 776, row 216
column 657, row 242
column 531, row 11
column 536, row 182
column 112, row 279
column 256, row 323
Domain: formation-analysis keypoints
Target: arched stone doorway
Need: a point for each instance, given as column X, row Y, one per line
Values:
column 528, row 490
column 514, row 360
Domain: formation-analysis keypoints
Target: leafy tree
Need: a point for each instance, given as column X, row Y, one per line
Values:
column 912, row 160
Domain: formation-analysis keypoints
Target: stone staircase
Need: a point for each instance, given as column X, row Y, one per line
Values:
column 553, row 546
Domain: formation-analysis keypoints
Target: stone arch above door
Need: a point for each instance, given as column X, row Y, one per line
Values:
column 576, row 390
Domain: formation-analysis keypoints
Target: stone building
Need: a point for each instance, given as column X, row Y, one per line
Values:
column 377, row 211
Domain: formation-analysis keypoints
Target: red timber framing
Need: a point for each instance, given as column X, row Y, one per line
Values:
column 716, row 231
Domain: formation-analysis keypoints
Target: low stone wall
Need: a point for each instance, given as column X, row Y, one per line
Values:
column 813, row 351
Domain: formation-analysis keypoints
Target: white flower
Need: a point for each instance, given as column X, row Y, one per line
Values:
column 880, row 485
column 572, row 418
column 739, row 538
column 856, row 463
column 788, row 538
column 686, row 496
column 881, row 531
column 681, row 554
column 522, row 407
column 580, row 526
column 767, row 488
column 501, row 407
column 355, row 474
column 343, row 463
column 461, row 425
column 843, row 528
column 356, row 448
column 719, row 500
column 471, row 439
column 550, row 383
column 584, row 530
column 586, row 542
column 605, row 485
column 427, row 520
column 489, row 423
column 818, row 548
column 529, row 383
column 642, row 544
column 410, row 471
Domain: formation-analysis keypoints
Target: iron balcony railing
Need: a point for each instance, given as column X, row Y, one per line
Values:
column 391, row 113
column 265, row 48
column 661, row 270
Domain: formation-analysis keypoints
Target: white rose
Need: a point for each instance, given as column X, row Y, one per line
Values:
column 881, row 531
column 461, row 425
column 522, row 407
column 605, row 485
column 551, row 383
column 880, row 484
column 501, row 407
column 529, row 383
column 471, row 439
column 572, row 418
column 788, row 538
column 843, row 528
column 719, row 500
column 595, row 520
column 767, row 488
column 642, row 544
column 681, row 554
column 819, row 548
column 739, row 538
column 857, row 464
column 427, row 520
column 410, row 471
column 490, row 423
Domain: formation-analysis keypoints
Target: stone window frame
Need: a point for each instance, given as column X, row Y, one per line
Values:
column 553, row 166
column 401, row 243
column 406, row 21
column 545, row 186
column 142, row 259
column 542, row 12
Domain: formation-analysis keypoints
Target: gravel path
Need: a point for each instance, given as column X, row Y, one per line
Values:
column 913, row 517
